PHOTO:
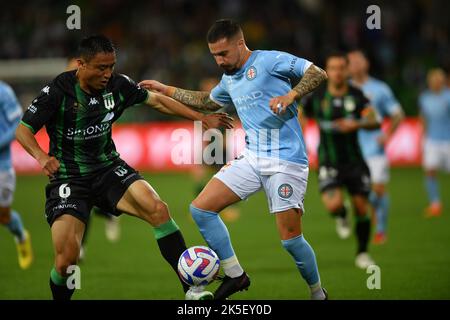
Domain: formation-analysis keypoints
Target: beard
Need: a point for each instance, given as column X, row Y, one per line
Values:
column 229, row 70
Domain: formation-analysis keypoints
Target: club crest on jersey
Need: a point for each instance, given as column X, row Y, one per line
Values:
column 349, row 104
column 251, row 73
column 285, row 190
column 108, row 100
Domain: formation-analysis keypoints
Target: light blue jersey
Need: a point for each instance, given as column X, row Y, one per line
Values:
column 435, row 108
column 383, row 101
column 10, row 114
column 265, row 75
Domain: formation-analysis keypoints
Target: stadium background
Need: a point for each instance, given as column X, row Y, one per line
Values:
column 165, row 40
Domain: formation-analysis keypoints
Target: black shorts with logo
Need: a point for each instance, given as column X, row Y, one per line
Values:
column 77, row 196
column 355, row 178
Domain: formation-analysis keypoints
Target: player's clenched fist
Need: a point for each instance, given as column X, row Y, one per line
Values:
column 155, row 86
column 49, row 165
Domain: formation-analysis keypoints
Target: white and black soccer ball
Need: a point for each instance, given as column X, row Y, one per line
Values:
column 198, row 265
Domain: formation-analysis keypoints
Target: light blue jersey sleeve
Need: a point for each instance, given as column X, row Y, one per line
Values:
column 10, row 114
column 220, row 95
column 287, row 65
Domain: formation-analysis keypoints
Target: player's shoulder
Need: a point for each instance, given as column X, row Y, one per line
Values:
column 122, row 78
column 424, row 94
column 380, row 85
column 274, row 54
column 61, row 83
column 121, row 81
column 5, row 89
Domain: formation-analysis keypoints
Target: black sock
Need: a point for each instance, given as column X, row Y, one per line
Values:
column 60, row 292
column 171, row 247
column 341, row 212
column 362, row 232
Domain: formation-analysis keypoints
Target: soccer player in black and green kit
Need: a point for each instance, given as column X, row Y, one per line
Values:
column 340, row 110
column 85, row 170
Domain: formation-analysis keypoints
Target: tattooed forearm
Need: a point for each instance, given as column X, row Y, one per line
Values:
column 312, row 78
column 197, row 99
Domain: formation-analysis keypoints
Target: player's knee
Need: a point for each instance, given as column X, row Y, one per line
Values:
column 156, row 213
column 431, row 173
column 289, row 233
column 68, row 248
column 62, row 264
column 379, row 189
column 361, row 209
column 333, row 206
column 5, row 215
column 332, row 200
column 199, row 203
column 210, row 206
column 66, row 258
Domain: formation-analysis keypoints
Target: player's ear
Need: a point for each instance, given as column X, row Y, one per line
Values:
column 81, row 63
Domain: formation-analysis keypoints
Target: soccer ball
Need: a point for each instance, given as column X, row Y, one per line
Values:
column 198, row 266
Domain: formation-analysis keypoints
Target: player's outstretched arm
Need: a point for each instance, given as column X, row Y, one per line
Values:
column 25, row 137
column 168, row 105
column 396, row 119
column 197, row 99
column 369, row 121
column 312, row 78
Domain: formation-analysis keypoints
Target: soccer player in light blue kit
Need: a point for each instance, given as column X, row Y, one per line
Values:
column 263, row 87
column 10, row 114
column 373, row 142
column 434, row 106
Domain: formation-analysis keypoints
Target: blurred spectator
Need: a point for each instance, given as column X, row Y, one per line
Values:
column 164, row 39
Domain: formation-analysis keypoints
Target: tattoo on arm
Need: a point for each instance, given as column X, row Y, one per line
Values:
column 197, row 99
column 312, row 78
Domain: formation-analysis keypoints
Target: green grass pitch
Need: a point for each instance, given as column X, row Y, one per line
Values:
column 415, row 263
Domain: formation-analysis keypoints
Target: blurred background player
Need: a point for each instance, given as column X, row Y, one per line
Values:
column 373, row 142
column 10, row 114
column 112, row 224
column 434, row 106
column 341, row 110
column 259, row 84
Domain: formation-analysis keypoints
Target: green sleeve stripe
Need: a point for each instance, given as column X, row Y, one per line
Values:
column 28, row 126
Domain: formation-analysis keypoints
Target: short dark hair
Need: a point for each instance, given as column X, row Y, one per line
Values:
column 336, row 54
column 224, row 28
column 94, row 44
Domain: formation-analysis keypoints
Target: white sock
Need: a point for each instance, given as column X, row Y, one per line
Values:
column 317, row 292
column 231, row 267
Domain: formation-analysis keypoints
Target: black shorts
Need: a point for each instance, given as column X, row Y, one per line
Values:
column 77, row 196
column 355, row 178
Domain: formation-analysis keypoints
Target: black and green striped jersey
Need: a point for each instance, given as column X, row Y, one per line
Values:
column 336, row 148
column 79, row 124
